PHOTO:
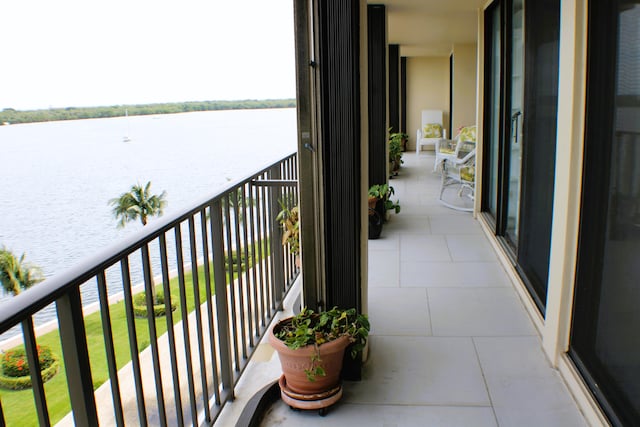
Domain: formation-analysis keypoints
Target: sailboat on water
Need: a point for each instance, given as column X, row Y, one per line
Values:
column 126, row 138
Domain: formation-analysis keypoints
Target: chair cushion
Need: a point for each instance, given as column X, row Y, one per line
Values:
column 432, row 130
column 468, row 133
column 447, row 146
column 468, row 173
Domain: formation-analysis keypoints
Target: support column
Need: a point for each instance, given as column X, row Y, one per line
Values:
column 340, row 124
column 403, row 94
column 330, row 136
column 377, row 54
column 394, row 88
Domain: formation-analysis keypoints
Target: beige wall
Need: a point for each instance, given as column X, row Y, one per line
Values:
column 464, row 85
column 427, row 89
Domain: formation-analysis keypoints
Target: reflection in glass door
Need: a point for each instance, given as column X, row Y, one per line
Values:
column 493, row 99
column 515, row 126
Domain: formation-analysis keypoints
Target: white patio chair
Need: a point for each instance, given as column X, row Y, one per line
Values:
column 431, row 130
column 450, row 148
column 459, row 173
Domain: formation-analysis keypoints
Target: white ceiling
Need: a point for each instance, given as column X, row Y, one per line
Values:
column 431, row 27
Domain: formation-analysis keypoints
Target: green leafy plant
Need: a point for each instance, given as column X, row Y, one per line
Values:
column 310, row 328
column 384, row 192
column 234, row 261
column 159, row 308
column 396, row 146
column 289, row 218
column 400, row 137
column 139, row 203
column 16, row 274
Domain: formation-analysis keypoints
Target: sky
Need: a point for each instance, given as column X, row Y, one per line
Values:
column 67, row 53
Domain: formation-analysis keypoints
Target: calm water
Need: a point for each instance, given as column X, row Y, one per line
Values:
column 57, row 178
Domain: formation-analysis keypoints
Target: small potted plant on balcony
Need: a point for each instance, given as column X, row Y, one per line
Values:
column 378, row 212
column 384, row 192
column 402, row 138
column 395, row 153
column 289, row 218
column 311, row 347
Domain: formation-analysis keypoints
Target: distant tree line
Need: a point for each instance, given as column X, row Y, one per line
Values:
column 12, row 116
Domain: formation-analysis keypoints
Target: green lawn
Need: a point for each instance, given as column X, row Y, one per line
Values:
column 18, row 406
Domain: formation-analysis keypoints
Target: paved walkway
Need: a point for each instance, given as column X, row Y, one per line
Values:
column 451, row 343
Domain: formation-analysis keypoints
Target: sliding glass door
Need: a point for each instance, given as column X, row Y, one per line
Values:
column 521, row 68
column 605, row 340
column 514, row 126
column 492, row 109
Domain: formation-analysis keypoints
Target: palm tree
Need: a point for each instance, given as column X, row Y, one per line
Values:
column 138, row 202
column 16, row 274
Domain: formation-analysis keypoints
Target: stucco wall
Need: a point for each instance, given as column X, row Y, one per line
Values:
column 427, row 89
column 464, row 85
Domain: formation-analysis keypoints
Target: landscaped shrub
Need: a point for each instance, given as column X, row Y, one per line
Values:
column 234, row 257
column 159, row 309
column 15, row 374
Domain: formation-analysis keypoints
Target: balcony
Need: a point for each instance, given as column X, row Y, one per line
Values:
column 222, row 268
column 451, row 343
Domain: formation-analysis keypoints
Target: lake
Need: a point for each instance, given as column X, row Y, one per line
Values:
column 56, row 178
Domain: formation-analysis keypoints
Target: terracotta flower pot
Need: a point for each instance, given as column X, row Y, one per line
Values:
column 294, row 363
column 372, row 203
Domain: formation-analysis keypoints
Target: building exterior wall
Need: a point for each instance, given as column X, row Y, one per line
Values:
column 464, row 86
column 428, row 83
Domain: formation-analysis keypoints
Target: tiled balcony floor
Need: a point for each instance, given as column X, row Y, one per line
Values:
column 451, row 343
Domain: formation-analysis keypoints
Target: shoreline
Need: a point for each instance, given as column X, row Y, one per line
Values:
column 10, row 116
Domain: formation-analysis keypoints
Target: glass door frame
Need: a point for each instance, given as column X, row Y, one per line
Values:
column 499, row 174
column 499, row 221
column 488, row 106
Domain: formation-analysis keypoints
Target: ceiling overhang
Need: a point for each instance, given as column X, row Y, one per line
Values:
column 431, row 27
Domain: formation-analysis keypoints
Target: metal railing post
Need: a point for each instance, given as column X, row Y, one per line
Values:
column 76, row 358
column 222, row 308
column 36, row 378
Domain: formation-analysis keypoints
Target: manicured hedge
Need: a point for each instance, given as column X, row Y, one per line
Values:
column 159, row 309
column 15, row 374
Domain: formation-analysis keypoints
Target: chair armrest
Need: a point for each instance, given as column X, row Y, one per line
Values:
column 466, row 158
column 419, row 135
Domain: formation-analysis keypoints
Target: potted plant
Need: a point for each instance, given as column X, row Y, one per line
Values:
column 395, row 153
column 402, row 138
column 289, row 218
column 378, row 211
column 384, row 192
column 311, row 347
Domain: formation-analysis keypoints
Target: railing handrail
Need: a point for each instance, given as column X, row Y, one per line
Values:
column 30, row 301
